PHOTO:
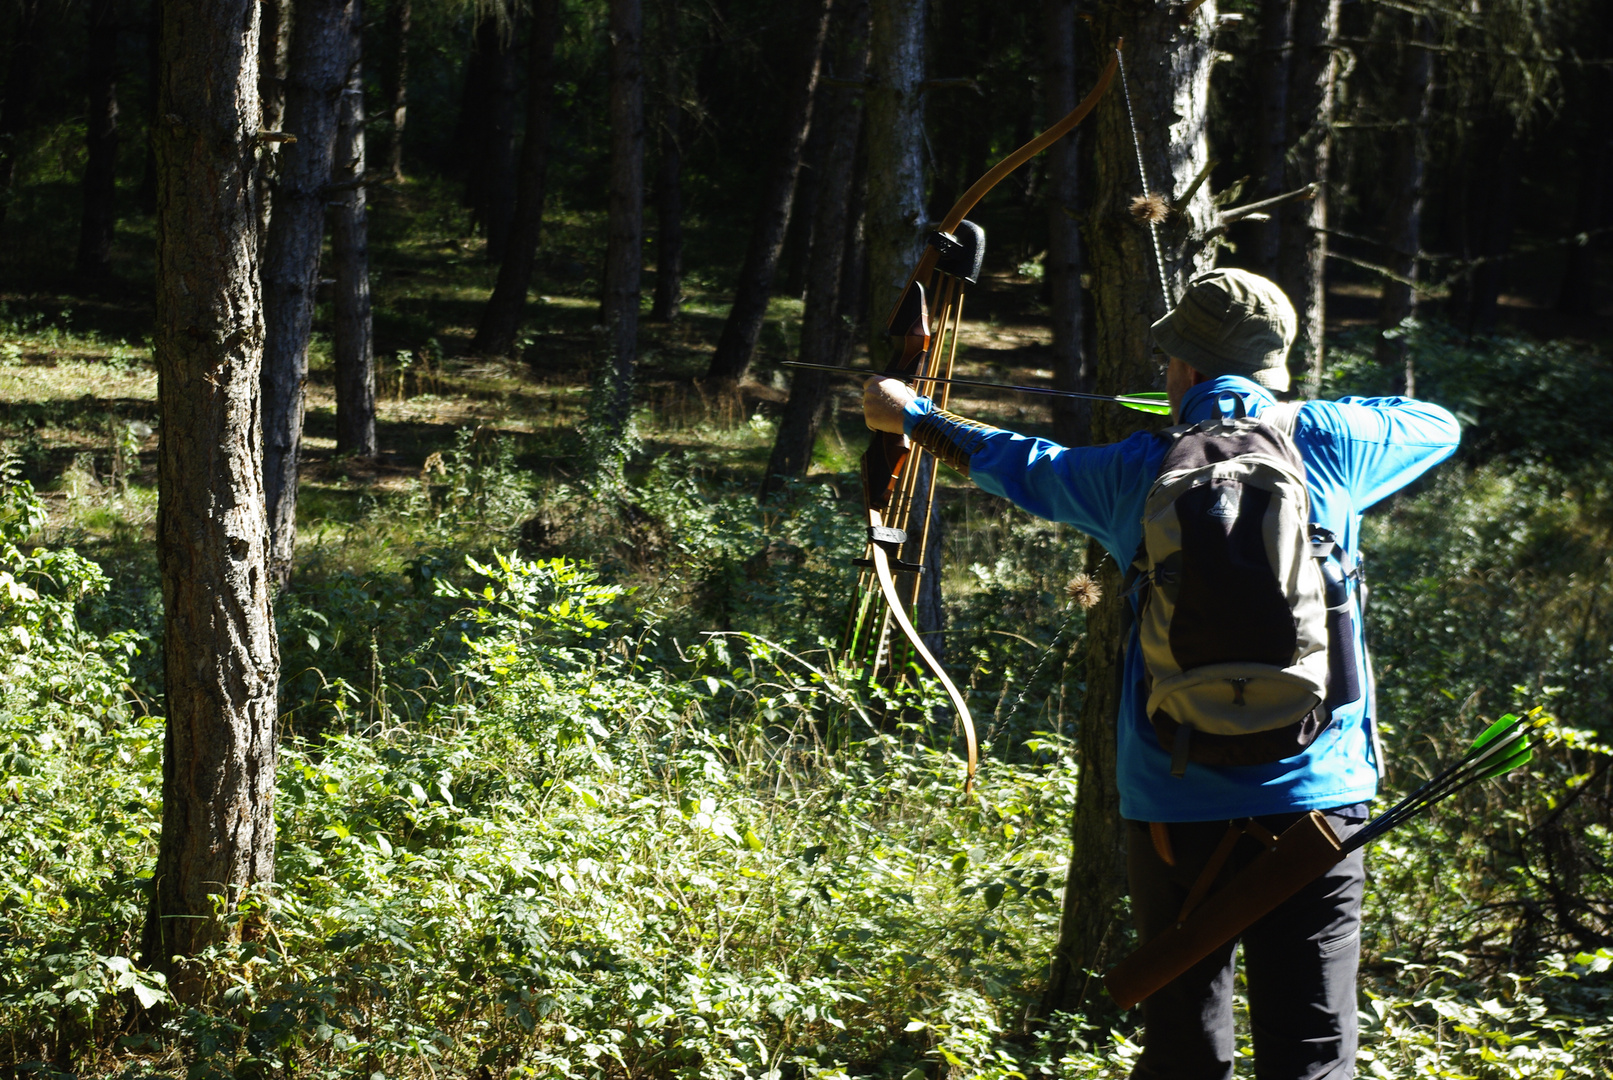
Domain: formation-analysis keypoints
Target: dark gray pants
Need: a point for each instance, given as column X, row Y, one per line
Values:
column 1300, row 964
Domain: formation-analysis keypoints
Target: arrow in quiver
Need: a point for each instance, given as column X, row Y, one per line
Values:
column 1289, row 862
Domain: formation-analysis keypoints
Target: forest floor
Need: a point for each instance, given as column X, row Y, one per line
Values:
column 697, row 849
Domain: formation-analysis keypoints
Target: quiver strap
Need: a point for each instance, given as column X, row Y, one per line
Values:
column 1304, row 851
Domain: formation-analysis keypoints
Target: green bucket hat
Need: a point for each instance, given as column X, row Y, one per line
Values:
column 1231, row 322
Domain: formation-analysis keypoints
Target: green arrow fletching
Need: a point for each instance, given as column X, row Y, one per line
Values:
column 1515, row 760
column 1150, row 402
column 1494, row 731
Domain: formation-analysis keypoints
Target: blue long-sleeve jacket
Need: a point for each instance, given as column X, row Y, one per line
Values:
column 1356, row 451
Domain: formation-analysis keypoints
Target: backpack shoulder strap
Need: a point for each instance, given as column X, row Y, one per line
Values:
column 1283, row 416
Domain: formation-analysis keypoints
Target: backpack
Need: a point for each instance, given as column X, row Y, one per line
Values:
column 1234, row 609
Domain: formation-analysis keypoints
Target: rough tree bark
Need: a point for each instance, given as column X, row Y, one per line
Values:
column 274, row 51
column 220, row 662
column 625, row 243
column 825, row 308
column 352, row 344
column 1271, row 136
column 1168, row 70
column 744, row 325
column 101, row 142
column 501, row 318
column 894, row 121
column 1302, row 249
column 317, row 75
column 19, row 95
column 395, row 85
column 1072, row 418
column 669, row 175
column 895, row 139
column 1407, row 168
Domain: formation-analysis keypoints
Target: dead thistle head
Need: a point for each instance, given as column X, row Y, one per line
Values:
column 1085, row 590
column 1150, row 209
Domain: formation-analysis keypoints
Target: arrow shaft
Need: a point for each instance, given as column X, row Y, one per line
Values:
column 1496, row 751
column 1147, row 404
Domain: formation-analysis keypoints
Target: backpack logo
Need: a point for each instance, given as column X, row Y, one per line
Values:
column 1225, row 508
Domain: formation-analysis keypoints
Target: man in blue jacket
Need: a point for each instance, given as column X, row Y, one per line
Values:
column 1228, row 342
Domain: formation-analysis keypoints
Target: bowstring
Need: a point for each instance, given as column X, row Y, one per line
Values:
column 945, row 353
column 1142, row 175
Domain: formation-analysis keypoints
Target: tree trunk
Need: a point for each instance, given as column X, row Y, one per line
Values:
column 1072, row 418
column 274, row 51
column 744, row 325
column 791, row 277
column 316, row 78
column 220, row 661
column 1168, row 72
column 19, row 99
column 896, row 222
column 669, row 177
column 501, row 319
column 854, row 317
column 485, row 134
column 395, row 85
column 466, row 153
column 352, row 345
column 146, row 199
column 1407, row 168
column 101, row 142
column 1271, row 147
column 497, row 211
column 824, row 310
column 895, row 125
column 624, row 253
column 1302, row 250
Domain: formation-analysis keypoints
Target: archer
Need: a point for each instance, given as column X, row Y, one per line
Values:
column 1246, row 693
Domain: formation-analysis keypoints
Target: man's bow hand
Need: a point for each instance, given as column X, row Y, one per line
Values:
column 885, row 401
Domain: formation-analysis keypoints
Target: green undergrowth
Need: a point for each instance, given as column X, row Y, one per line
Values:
column 572, row 784
column 561, row 857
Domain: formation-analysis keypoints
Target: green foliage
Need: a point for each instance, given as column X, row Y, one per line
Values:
column 629, row 818
column 1531, row 402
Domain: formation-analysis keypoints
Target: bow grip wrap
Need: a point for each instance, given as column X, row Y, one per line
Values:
column 884, row 534
column 1304, row 851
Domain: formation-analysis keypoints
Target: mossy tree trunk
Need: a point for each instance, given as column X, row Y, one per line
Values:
column 1168, row 74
